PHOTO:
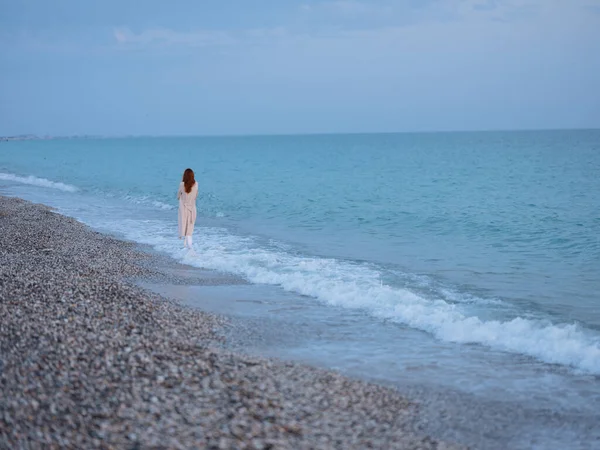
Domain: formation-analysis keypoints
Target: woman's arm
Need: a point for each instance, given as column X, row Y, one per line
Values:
column 179, row 192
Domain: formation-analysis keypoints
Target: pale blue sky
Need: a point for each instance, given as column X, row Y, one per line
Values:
column 254, row 67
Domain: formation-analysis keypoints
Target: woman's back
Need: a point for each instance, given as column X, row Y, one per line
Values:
column 187, row 206
column 188, row 199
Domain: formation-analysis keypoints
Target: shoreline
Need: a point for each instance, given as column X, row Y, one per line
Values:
column 89, row 359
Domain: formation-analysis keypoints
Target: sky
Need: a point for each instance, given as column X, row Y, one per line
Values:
column 208, row 67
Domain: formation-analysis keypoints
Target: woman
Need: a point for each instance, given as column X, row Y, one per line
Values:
column 187, row 193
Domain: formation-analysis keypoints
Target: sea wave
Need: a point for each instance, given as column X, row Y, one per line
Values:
column 358, row 286
column 36, row 181
column 149, row 201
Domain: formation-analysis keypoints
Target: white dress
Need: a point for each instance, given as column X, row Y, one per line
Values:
column 187, row 209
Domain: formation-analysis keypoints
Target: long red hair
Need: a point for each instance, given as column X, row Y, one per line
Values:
column 188, row 180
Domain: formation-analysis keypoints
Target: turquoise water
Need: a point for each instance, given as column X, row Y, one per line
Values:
column 490, row 239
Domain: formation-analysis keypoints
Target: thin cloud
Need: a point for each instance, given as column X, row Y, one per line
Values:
column 392, row 13
column 350, row 9
column 320, row 24
column 167, row 37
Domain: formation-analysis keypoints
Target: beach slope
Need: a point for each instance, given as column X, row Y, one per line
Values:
column 89, row 360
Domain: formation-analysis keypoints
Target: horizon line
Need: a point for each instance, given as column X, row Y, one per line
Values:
column 33, row 136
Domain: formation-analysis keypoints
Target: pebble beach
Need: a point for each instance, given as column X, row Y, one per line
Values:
column 89, row 359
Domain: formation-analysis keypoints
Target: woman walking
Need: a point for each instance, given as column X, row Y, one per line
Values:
column 187, row 193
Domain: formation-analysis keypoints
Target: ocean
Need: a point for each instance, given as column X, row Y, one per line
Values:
column 472, row 258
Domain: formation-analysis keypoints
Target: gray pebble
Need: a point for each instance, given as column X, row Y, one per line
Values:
column 90, row 360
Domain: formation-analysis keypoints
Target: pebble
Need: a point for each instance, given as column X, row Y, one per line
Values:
column 90, row 360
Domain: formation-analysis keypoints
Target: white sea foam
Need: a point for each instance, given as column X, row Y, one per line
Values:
column 35, row 181
column 461, row 297
column 149, row 201
column 357, row 286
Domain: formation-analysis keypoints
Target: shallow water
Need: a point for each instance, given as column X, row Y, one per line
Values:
column 511, row 403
